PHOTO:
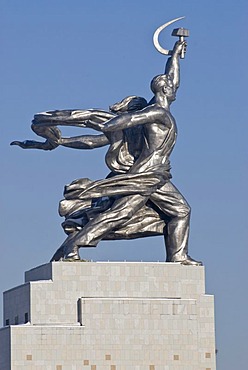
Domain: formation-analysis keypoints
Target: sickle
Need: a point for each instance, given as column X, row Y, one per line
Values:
column 157, row 33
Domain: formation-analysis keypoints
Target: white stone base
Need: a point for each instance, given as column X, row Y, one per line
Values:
column 109, row 315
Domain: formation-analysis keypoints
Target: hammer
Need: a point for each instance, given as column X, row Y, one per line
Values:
column 181, row 33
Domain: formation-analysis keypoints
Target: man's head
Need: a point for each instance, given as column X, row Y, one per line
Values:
column 162, row 84
column 129, row 104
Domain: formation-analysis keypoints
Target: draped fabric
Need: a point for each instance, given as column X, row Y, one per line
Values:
column 86, row 199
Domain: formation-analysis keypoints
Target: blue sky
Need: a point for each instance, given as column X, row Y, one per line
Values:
column 80, row 54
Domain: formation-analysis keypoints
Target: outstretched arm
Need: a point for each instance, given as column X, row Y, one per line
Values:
column 172, row 68
column 44, row 125
column 147, row 115
column 31, row 144
column 76, row 142
column 51, row 134
column 84, row 141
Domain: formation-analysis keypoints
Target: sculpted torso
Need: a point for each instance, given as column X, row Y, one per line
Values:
column 159, row 136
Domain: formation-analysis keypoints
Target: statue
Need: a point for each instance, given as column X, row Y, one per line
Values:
column 137, row 199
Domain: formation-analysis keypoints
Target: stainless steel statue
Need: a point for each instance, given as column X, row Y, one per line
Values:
column 137, row 199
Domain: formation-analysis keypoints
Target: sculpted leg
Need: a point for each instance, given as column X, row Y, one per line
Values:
column 177, row 213
column 120, row 212
column 177, row 235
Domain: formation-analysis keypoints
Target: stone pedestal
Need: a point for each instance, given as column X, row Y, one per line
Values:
column 109, row 315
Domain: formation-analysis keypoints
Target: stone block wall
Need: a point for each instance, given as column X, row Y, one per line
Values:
column 109, row 315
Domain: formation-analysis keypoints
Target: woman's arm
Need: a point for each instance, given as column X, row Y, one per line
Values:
column 45, row 125
column 84, row 141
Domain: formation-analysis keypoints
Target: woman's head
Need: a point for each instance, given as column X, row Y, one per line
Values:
column 128, row 104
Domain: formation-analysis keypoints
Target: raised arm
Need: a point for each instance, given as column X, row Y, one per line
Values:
column 172, row 68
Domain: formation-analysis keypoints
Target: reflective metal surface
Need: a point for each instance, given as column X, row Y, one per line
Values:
column 157, row 33
column 137, row 199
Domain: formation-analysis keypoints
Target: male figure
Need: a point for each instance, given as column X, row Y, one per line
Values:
column 159, row 130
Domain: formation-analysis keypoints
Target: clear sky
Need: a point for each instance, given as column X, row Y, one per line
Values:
column 58, row 54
